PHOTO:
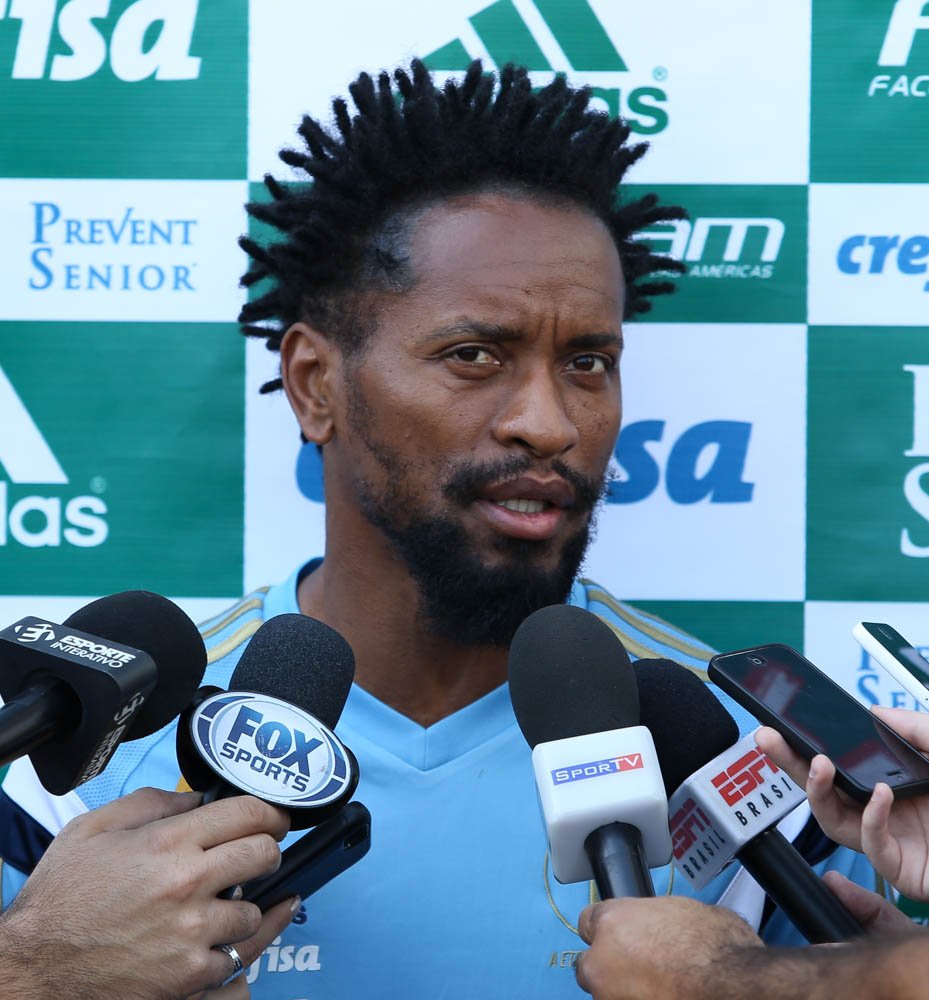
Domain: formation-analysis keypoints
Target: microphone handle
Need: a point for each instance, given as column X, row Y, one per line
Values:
column 34, row 716
column 779, row 868
column 617, row 857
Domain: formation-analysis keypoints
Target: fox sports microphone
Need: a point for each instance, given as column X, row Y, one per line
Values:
column 596, row 770
column 271, row 734
column 729, row 807
column 118, row 669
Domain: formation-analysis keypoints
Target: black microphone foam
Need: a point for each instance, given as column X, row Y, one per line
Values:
column 300, row 660
column 570, row 676
column 688, row 724
column 157, row 626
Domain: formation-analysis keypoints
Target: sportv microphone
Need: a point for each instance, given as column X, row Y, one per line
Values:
column 270, row 735
column 596, row 770
column 118, row 669
column 728, row 808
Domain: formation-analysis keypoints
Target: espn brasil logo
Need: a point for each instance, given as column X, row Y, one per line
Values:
column 737, row 782
column 559, row 36
column 50, row 517
column 272, row 749
column 129, row 48
column 690, row 827
column 597, row 768
column 907, row 19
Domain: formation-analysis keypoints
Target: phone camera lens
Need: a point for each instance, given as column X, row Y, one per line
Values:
column 759, row 661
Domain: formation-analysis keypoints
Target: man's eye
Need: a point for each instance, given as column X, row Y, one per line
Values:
column 473, row 355
column 593, row 364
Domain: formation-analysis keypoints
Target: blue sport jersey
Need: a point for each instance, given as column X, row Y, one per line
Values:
column 455, row 898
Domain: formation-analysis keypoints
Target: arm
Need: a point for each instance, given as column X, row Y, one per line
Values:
column 893, row 834
column 124, row 901
column 677, row 947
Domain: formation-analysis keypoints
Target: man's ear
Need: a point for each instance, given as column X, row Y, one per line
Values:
column 309, row 365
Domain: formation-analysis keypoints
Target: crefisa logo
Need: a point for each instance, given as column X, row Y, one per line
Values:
column 271, row 749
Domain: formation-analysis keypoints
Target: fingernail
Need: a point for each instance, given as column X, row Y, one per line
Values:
column 295, row 905
column 237, row 892
column 813, row 770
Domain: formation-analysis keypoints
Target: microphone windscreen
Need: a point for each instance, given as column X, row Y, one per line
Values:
column 688, row 724
column 300, row 660
column 570, row 676
column 156, row 626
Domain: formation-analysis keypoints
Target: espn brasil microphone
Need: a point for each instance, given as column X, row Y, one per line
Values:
column 596, row 770
column 118, row 669
column 729, row 807
column 271, row 734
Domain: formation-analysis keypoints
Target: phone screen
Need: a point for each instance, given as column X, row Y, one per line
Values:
column 823, row 715
column 908, row 655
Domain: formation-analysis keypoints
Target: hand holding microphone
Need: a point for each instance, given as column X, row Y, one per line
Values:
column 893, row 833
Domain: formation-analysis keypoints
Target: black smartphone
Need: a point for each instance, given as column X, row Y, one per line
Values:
column 315, row 859
column 815, row 715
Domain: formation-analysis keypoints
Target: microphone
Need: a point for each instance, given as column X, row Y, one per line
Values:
column 729, row 807
column 118, row 669
column 270, row 735
column 596, row 769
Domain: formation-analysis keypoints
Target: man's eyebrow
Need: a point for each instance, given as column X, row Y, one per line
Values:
column 503, row 334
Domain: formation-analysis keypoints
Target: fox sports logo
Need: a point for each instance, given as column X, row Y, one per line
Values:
column 272, row 749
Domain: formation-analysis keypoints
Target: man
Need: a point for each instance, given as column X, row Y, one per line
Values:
column 447, row 298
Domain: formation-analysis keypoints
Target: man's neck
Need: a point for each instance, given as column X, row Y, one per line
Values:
column 397, row 659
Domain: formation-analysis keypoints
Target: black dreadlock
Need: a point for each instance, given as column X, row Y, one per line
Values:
column 347, row 231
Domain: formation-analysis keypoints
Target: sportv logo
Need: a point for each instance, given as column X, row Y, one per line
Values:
column 687, row 240
column 557, row 36
column 596, row 768
column 907, row 18
column 38, row 521
column 132, row 55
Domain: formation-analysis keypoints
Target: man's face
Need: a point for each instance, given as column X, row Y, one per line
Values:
column 481, row 416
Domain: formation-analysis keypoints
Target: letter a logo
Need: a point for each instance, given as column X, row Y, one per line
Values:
column 24, row 452
column 907, row 18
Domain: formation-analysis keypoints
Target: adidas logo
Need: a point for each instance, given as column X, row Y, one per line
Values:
column 25, row 455
column 556, row 36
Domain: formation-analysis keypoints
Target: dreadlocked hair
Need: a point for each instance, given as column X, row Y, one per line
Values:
column 408, row 145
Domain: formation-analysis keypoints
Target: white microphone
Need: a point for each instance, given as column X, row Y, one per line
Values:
column 600, row 788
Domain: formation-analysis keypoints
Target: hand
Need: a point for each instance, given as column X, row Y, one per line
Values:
column 667, row 947
column 893, row 834
column 124, row 902
column 873, row 912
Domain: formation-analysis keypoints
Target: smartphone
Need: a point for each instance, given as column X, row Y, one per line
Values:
column 784, row 690
column 315, row 859
column 897, row 656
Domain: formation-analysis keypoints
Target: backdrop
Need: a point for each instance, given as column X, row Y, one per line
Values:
column 774, row 462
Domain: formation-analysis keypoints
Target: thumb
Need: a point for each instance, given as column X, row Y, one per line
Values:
column 872, row 911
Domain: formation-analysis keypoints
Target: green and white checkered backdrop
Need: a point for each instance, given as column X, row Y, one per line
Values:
column 774, row 464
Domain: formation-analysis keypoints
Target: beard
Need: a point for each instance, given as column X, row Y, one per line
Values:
column 461, row 597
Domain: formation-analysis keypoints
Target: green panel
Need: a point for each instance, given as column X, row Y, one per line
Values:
column 146, row 420
column 506, row 37
column 453, row 56
column 580, row 35
column 861, row 422
column 731, row 625
column 749, row 287
column 102, row 125
column 869, row 121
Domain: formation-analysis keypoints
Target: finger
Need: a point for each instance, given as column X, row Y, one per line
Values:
column 228, row 819
column 872, row 911
column 240, row 860
column 839, row 819
column 772, row 744
column 876, row 839
column 580, row 972
column 273, row 922
column 586, row 923
column 139, row 808
column 238, row 989
column 912, row 726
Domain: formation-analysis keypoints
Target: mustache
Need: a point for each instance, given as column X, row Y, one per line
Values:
column 467, row 482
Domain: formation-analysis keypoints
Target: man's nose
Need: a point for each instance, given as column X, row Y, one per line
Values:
column 535, row 416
